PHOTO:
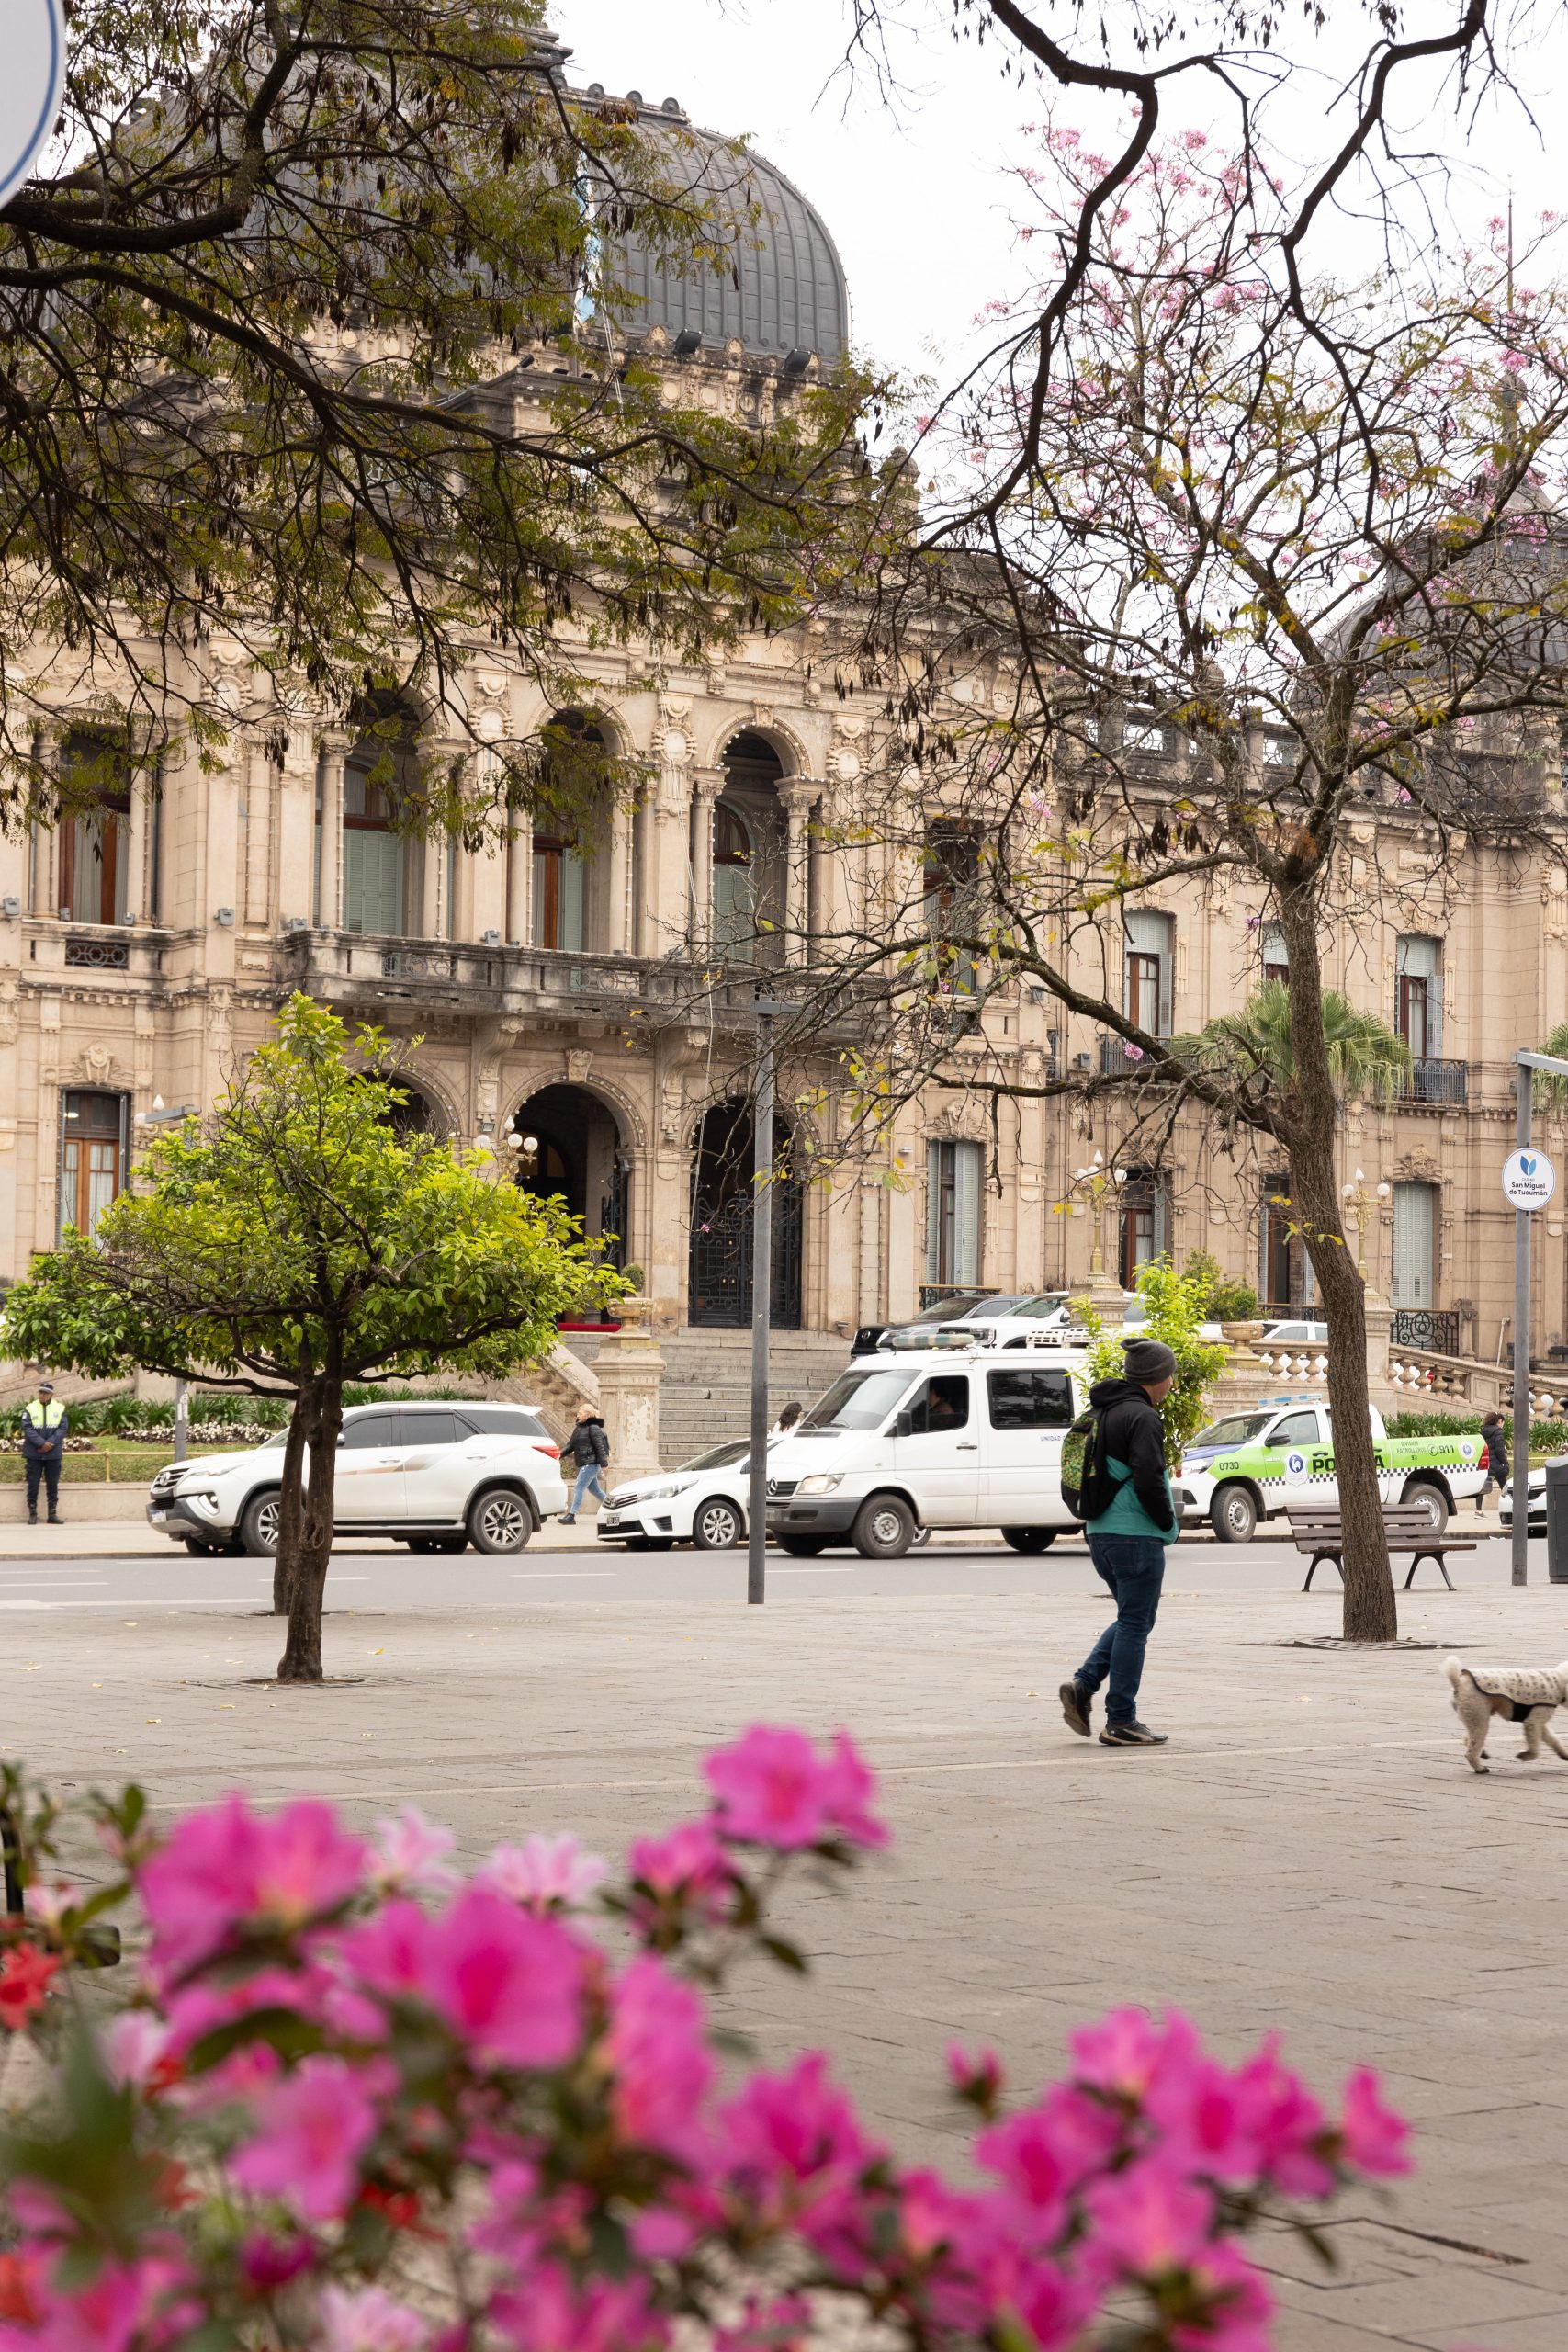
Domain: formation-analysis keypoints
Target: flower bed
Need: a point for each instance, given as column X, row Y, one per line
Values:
column 359, row 2103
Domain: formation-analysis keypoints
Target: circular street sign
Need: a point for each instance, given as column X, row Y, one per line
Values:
column 1529, row 1179
column 30, row 87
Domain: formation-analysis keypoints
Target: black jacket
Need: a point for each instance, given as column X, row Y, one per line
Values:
column 587, row 1444
column 1496, row 1444
column 1135, row 1434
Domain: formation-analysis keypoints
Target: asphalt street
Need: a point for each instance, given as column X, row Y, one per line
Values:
column 363, row 1577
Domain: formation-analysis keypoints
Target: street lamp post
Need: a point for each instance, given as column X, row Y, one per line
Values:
column 1525, row 1067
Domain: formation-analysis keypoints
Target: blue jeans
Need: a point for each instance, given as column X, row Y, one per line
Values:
column 1134, row 1567
column 587, row 1482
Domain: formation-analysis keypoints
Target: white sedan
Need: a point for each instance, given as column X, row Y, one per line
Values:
column 702, row 1502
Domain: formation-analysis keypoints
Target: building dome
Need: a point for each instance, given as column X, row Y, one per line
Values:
column 780, row 292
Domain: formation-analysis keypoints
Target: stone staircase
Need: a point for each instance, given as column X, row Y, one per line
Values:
column 706, row 1393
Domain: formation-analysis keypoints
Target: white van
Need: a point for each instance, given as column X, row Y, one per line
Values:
column 953, row 1436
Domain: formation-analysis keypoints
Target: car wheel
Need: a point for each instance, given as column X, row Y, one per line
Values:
column 258, row 1525
column 499, row 1521
column 884, row 1528
column 1233, row 1515
column 805, row 1547
column 1431, row 1499
column 719, row 1525
column 1030, row 1539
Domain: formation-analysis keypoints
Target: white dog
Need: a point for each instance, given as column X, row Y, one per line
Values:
column 1521, row 1694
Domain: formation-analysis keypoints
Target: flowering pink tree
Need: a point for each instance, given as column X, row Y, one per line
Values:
column 1234, row 602
column 360, row 2102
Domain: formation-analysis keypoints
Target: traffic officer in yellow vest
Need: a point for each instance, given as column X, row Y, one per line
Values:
column 45, row 1427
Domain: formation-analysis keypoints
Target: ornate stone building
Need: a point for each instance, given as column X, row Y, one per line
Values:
column 144, row 949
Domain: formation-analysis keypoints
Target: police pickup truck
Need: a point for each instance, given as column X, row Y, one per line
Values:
column 1278, row 1456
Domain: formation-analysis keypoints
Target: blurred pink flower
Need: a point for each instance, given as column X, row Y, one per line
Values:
column 686, row 1864
column 545, row 1873
column 411, row 1851
column 775, row 1788
column 1148, row 2220
column 366, row 2319
column 1375, row 2139
column 226, row 1867
column 510, row 1983
column 657, row 2049
column 310, row 2131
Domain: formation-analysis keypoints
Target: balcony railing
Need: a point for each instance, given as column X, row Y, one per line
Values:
column 1436, row 1328
column 1435, row 1082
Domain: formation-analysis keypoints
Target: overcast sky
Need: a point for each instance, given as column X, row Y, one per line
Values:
column 917, row 197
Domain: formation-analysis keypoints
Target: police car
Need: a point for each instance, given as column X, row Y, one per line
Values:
column 1278, row 1456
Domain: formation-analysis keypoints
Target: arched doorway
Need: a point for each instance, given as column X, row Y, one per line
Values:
column 720, row 1281
column 571, row 1152
column 408, row 1112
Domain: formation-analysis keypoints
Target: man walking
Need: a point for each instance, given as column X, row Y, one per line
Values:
column 589, row 1448
column 45, row 1427
column 1497, row 1440
column 1127, row 1543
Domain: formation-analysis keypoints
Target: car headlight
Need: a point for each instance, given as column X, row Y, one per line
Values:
column 822, row 1482
column 657, row 1493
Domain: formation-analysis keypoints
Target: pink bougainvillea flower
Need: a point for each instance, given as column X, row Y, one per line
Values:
column 687, row 1868
column 1286, row 2122
column 792, row 2148
column 135, row 2045
column 312, row 2130
column 1375, row 2139
column 1149, row 2219
column 552, row 2314
column 366, row 2318
column 1127, row 2050
column 1239, row 2305
column 545, row 1873
column 510, row 1983
column 411, row 1851
column 978, row 2079
column 226, row 1867
column 1042, row 2156
column 657, row 2049
column 269, row 2263
column 25, row 1975
column 774, row 1788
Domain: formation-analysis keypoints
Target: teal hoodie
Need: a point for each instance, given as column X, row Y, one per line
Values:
column 1135, row 1456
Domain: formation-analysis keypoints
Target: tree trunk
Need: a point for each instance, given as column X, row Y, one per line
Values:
column 290, row 1512
column 301, row 1659
column 1370, row 1614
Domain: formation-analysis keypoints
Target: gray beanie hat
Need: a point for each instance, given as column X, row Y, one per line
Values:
column 1146, row 1361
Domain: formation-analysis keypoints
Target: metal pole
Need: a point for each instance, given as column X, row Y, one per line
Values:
column 182, row 1417
column 761, row 1306
column 1524, row 1093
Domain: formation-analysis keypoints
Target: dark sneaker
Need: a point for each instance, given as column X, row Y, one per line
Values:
column 1133, row 1734
column 1076, row 1704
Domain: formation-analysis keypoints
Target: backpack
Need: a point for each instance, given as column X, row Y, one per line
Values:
column 1088, row 1488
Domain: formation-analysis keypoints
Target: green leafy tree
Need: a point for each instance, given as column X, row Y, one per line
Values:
column 292, row 1241
column 1226, row 1300
column 316, row 353
column 1178, row 1304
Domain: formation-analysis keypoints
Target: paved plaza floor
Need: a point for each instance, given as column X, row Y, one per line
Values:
column 1309, row 1855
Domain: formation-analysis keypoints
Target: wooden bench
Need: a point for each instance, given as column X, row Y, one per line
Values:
column 1407, row 1526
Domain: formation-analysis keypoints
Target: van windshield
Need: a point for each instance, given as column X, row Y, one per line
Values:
column 857, row 1400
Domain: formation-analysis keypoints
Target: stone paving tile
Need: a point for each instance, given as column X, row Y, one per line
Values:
column 1310, row 1855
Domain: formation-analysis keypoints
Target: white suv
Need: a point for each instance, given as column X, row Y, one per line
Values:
column 436, row 1477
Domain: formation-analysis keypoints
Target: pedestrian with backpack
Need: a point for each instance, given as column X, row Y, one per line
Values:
column 589, row 1447
column 1115, row 1477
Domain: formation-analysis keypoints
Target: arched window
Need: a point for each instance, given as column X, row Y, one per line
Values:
column 375, row 857
column 734, row 896
column 560, row 867
column 95, row 834
column 91, row 1157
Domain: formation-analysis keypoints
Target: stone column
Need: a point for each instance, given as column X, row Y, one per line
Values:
column 799, row 801
column 707, row 785
column 629, row 1367
column 136, row 830
column 333, row 748
column 617, row 924
column 520, row 881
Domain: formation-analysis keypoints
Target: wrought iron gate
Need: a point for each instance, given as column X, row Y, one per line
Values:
column 721, row 1260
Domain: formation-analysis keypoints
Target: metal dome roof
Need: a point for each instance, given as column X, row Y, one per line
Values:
column 783, row 289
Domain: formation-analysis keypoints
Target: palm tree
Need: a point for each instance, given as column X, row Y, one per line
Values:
column 1554, row 1092
column 1365, row 1056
